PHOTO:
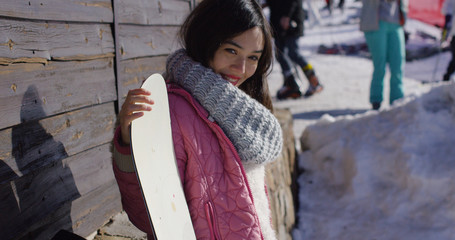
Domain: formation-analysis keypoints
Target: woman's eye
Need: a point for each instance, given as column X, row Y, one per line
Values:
column 230, row 50
column 254, row 58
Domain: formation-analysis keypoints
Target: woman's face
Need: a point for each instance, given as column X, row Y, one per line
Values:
column 237, row 59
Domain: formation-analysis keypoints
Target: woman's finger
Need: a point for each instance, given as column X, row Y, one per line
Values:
column 137, row 108
column 140, row 99
column 139, row 91
column 128, row 119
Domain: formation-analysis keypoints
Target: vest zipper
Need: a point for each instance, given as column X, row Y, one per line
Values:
column 211, row 220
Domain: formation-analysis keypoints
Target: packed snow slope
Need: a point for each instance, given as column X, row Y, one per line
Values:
column 381, row 175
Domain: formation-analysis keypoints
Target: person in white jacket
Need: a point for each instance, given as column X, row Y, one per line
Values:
column 448, row 8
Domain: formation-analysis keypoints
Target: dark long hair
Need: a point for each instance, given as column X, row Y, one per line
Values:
column 213, row 22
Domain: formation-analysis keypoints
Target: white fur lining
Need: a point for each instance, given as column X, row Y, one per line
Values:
column 255, row 174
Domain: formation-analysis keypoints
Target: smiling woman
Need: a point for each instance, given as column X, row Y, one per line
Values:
column 222, row 126
column 237, row 59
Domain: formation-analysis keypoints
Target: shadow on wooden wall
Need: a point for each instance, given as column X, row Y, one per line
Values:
column 36, row 196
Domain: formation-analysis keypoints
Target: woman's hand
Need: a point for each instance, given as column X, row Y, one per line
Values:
column 137, row 101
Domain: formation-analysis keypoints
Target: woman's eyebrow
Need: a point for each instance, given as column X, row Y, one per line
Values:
column 238, row 45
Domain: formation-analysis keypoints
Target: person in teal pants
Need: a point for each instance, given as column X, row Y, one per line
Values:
column 382, row 23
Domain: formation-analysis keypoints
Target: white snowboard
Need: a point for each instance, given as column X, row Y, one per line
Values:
column 156, row 167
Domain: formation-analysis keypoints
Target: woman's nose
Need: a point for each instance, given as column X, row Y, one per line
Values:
column 240, row 64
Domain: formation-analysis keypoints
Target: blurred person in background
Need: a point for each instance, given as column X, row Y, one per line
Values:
column 286, row 18
column 382, row 22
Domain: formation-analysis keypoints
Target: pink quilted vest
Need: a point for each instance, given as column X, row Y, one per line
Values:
column 217, row 192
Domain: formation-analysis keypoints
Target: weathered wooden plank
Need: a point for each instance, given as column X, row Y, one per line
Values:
column 88, row 214
column 115, row 26
column 27, row 147
column 156, row 12
column 94, row 210
column 69, row 10
column 134, row 71
column 83, row 216
column 34, row 91
column 145, row 41
column 54, row 40
column 92, row 168
column 35, row 211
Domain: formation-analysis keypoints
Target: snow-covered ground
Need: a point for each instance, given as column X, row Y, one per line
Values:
column 387, row 174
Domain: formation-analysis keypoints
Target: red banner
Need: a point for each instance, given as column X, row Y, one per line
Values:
column 428, row 11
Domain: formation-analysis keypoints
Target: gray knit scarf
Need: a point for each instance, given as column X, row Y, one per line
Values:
column 251, row 127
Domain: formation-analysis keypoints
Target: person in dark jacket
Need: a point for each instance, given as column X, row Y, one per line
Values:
column 286, row 18
column 448, row 9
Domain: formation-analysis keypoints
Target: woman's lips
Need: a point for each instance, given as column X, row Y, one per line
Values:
column 232, row 79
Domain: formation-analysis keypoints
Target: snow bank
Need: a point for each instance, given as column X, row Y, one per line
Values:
column 381, row 175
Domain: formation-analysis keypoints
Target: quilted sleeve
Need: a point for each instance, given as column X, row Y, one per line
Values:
column 129, row 188
column 132, row 200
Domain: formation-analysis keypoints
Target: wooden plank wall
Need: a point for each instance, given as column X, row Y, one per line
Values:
column 61, row 83
column 147, row 34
